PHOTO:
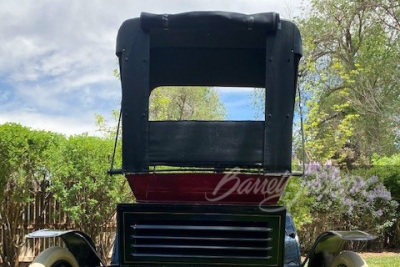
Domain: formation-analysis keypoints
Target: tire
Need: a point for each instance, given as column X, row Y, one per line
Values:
column 348, row 259
column 55, row 257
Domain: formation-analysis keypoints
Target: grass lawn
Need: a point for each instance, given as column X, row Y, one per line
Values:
column 384, row 259
column 387, row 259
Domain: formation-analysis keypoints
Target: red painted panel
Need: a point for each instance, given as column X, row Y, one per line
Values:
column 207, row 188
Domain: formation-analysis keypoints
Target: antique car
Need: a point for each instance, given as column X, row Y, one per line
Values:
column 213, row 201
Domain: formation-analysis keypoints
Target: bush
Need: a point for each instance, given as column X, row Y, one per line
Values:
column 346, row 202
column 298, row 202
column 84, row 189
column 388, row 170
column 24, row 167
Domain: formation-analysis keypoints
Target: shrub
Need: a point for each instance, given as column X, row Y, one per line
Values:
column 346, row 202
column 24, row 166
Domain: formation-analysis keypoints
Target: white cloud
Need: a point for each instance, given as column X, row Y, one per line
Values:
column 234, row 90
column 57, row 57
column 55, row 123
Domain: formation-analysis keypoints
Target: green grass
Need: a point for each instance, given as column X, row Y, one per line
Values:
column 383, row 261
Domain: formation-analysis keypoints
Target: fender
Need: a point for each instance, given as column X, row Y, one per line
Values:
column 329, row 244
column 77, row 242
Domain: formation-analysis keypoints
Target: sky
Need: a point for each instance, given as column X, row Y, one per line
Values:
column 57, row 57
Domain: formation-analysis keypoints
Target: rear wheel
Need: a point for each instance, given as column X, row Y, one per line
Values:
column 348, row 259
column 55, row 257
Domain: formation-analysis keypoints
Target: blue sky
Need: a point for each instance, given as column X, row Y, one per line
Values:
column 238, row 103
column 57, row 57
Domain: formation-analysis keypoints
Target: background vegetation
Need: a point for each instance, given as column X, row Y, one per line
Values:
column 73, row 170
column 351, row 95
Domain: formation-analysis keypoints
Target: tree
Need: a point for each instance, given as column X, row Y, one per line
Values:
column 351, row 76
column 24, row 167
column 181, row 103
column 185, row 103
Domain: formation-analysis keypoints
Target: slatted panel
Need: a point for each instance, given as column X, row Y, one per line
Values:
column 209, row 240
column 207, row 237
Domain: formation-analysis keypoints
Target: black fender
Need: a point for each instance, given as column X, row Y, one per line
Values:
column 77, row 242
column 329, row 244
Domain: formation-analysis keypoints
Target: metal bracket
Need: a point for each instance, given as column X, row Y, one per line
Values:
column 77, row 242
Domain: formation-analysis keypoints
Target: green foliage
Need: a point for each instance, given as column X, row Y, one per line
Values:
column 327, row 140
column 73, row 169
column 350, row 78
column 81, row 184
column 388, row 170
column 103, row 125
column 24, row 168
column 347, row 202
column 258, row 103
column 83, row 188
column 298, row 202
column 185, row 103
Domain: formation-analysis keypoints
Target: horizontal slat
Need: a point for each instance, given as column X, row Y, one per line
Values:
column 196, row 256
column 201, row 238
column 202, row 228
column 206, row 235
column 201, row 247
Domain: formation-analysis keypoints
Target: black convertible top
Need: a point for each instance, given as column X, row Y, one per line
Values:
column 267, row 22
column 208, row 49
